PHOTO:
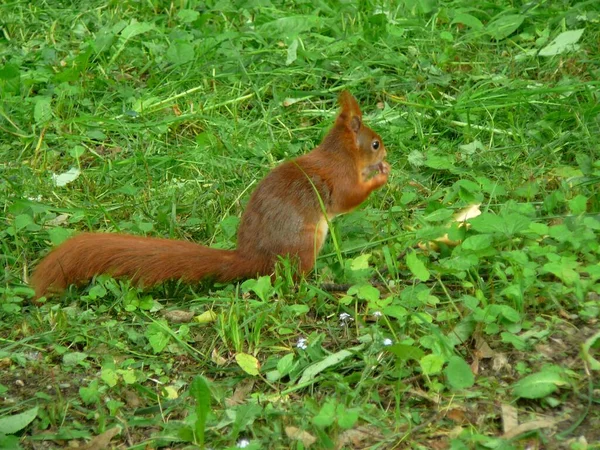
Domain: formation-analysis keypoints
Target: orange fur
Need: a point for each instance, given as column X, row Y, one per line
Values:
column 283, row 218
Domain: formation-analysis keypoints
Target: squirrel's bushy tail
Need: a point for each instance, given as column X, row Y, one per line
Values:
column 146, row 261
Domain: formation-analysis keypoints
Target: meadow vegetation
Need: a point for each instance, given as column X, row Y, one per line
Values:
column 159, row 117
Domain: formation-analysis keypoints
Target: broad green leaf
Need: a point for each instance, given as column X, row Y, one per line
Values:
column 298, row 310
column 508, row 312
column 508, row 224
column 187, row 15
column 206, row 317
column 517, row 342
column 292, row 52
column 563, row 269
column 109, row 376
column 407, row 197
column 365, row 292
column 290, row 27
column 417, row 267
column 586, row 349
column 77, row 151
column 406, row 352
column 439, row 215
column 578, row 204
column 128, row 375
column 446, row 36
column 261, row 287
column 440, row 161
column 458, row 373
column 180, row 52
column 229, row 225
column 42, row 111
column 361, row 262
column 157, row 338
column 248, row 363
column 416, row 158
column 200, row 390
column 347, row 417
column 432, row 364
column 10, row 441
column 477, row 242
column 504, row 26
column 468, row 20
column 16, row 422
column 285, row 364
column 135, row 28
column 396, row 311
column 538, row 385
column 469, row 149
column 9, row 71
column 564, row 42
column 22, row 221
column 90, row 394
column 245, row 415
column 331, row 360
column 326, row 415
column 74, row 358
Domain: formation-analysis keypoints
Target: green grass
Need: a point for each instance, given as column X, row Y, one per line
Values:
column 172, row 112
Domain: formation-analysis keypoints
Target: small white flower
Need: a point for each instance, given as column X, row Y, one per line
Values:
column 387, row 341
column 302, row 343
column 243, row 443
column 345, row 319
column 377, row 314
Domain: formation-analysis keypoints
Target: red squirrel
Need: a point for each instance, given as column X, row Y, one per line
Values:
column 284, row 217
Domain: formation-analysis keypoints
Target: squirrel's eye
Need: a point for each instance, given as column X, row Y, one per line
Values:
column 375, row 145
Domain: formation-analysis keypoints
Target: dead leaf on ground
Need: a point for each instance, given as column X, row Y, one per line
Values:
column 529, row 426
column 132, row 399
column 217, row 359
column 358, row 437
column 500, row 362
column 483, row 350
column 102, row 441
column 241, row 393
column 510, row 418
column 468, row 213
column 178, row 316
column 297, row 434
column 475, row 366
column 461, row 216
column 457, row 415
column 58, row 220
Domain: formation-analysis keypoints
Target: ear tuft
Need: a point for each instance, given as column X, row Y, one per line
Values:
column 350, row 114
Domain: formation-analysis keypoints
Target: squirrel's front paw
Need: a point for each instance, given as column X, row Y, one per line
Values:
column 384, row 168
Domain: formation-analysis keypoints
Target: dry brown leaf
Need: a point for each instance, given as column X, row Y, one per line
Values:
column 456, row 415
column 529, row 426
column 475, row 366
column 102, row 441
column 510, row 418
column 358, row 437
column 461, row 216
column 132, row 399
column 482, row 349
column 241, row 393
column 500, row 362
column 178, row 316
column 217, row 359
column 58, row 220
column 468, row 213
column 297, row 434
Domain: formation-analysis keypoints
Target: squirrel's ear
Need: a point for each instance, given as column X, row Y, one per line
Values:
column 350, row 113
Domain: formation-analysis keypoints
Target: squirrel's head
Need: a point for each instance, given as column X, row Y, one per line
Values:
column 367, row 144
